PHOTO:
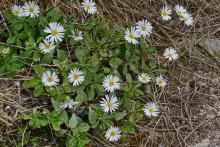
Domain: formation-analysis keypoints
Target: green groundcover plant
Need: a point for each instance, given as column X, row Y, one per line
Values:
column 95, row 76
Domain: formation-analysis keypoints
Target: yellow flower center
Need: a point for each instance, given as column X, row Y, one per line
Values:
column 47, row 46
column 131, row 36
column 151, row 110
column 31, row 9
column 111, row 83
column 54, row 32
column 144, row 78
column 109, row 104
column 49, row 79
column 185, row 19
column 170, row 55
column 164, row 14
column 88, row 6
column 17, row 12
column 75, row 76
column 160, row 82
column 113, row 134
column 143, row 28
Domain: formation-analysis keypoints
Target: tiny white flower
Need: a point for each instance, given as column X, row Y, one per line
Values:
column 5, row 51
column 109, row 104
column 151, row 109
column 69, row 103
column 89, row 6
column 76, row 35
column 144, row 28
column 113, row 134
column 165, row 13
column 170, row 54
column 50, row 79
column 17, row 10
column 55, row 31
column 132, row 35
column 76, row 77
column 187, row 18
column 111, row 83
column 180, row 10
column 144, row 78
column 31, row 9
column 46, row 46
column 160, row 81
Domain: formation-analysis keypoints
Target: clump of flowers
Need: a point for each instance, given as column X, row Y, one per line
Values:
column 93, row 78
column 182, row 12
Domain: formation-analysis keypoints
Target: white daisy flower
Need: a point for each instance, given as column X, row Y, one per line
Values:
column 69, row 103
column 31, row 9
column 17, row 10
column 170, row 54
column 180, row 10
column 132, row 35
column 144, row 28
column 160, row 81
column 89, row 6
column 144, row 78
column 187, row 18
column 77, row 35
column 113, row 134
column 50, row 79
column 109, row 104
column 165, row 13
column 46, row 46
column 55, row 31
column 111, row 83
column 76, row 77
column 151, row 109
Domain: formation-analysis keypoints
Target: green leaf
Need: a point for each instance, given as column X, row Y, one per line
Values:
column 83, row 127
column 38, row 91
column 32, row 83
column 36, row 56
column 92, row 116
column 81, row 96
column 115, row 62
column 11, row 40
column 47, row 58
column 64, row 117
column 128, row 128
column 120, row 115
column 27, row 54
column 56, row 126
column 81, row 55
column 18, row 26
column 73, row 121
column 134, row 117
column 128, row 77
column 39, row 70
column 91, row 94
column 56, row 105
column 62, row 55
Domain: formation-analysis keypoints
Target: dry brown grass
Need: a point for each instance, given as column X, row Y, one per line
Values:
column 191, row 102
